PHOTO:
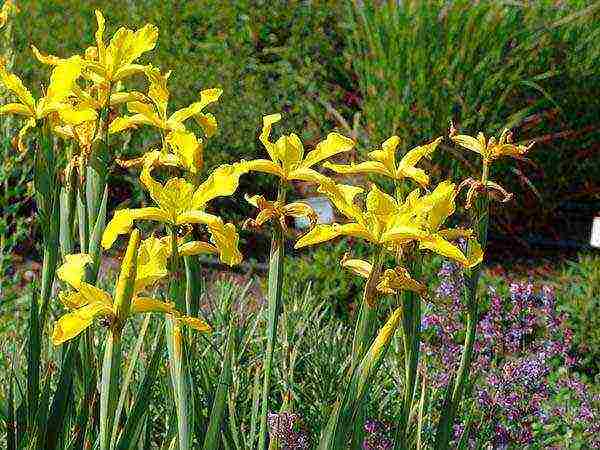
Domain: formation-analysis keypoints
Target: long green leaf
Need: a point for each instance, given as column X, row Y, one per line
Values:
column 111, row 371
column 127, row 380
column 211, row 441
column 62, row 396
column 33, row 361
column 133, row 425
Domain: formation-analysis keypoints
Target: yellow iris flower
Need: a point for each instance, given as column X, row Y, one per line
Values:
column 383, row 162
column 288, row 161
column 387, row 222
column 491, row 149
column 142, row 266
column 279, row 211
column 107, row 64
column 56, row 100
column 382, row 214
column 180, row 202
column 434, row 209
column 391, row 281
column 154, row 111
column 186, row 152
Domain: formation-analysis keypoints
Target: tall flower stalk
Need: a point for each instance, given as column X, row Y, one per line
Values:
column 288, row 162
column 479, row 194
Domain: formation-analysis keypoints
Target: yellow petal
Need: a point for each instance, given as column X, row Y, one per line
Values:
column 140, row 305
column 73, row 323
column 126, row 46
column 196, row 248
column 333, row 145
column 72, row 300
column 415, row 155
column 15, row 108
column 268, row 122
column 158, row 91
column 415, row 174
column 50, row 60
column 195, row 323
column 226, row 239
column 153, row 255
column 387, row 156
column 342, row 196
column 380, row 203
column 62, row 79
column 265, row 166
column 122, row 222
column 300, row 209
column 289, row 151
column 198, row 216
column 207, row 97
column 72, row 115
column 441, row 246
column 357, row 266
column 403, row 233
column 118, row 98
column 123, row 123
column 441, row 203
column 100, row 47
column 327, row 232
column 208, row 123
column 22, row 132
column 222, row 182
column 186, row 146
column 72, row 271
column 470, row 143
column 92, row 294
column 368, row 167
column 14, row 84
column 306, row 174
column 128, row 70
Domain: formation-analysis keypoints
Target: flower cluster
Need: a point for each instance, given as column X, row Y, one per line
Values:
column 377, row 436
column 286, row 429
column 520, row 341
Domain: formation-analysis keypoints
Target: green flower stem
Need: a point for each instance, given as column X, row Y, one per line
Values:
column 178, row 366
column 109, row 387
column 82, row 219
column 68, row 194
column 47, row 190
column 274, row 305
column 411, row 327
column 96, row 188
column 367, row 314
column 480, row 224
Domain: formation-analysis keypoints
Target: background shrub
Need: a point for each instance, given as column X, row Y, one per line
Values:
column 486, row 65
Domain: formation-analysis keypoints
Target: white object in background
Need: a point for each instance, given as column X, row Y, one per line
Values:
column 595, row 237
column 322, row 207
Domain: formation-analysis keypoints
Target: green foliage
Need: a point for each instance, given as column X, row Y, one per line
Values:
column 16, row 195
column 267, row 58
column 527, row 66
column 578, row 294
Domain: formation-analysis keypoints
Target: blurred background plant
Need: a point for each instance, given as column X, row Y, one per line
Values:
column 486, row 65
